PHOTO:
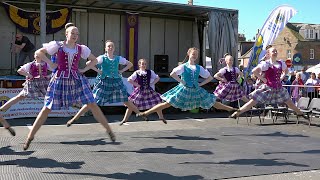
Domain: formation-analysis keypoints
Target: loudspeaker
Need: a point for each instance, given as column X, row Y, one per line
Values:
column 161, row 63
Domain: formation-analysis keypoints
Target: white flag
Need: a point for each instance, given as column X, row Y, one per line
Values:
column 276, row 21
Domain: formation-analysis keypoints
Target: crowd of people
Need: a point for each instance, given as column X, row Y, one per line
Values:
column 67, row 86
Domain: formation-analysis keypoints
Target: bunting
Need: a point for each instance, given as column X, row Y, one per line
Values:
column 29, row 21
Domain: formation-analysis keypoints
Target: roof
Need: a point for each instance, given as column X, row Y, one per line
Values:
column 138, row 6
column 294, row 28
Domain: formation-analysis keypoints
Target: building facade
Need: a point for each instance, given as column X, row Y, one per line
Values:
column 300, row 43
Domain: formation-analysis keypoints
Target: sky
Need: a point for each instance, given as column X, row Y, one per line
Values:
column 253, row 13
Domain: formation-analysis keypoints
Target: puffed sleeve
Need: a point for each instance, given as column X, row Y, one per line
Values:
column 237, row 70
column 51, row 47
column 204, row 73
column 284, row 66
column 178, row 70
column 153, row 76
column 26, row 67
column 85, row 53
column 263, row 66
column 100, row 59
column 222, row 71
column 123, row 60
column 133, row 76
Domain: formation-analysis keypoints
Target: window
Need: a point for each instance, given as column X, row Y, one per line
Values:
column 311, row 53
column 288, row 54
column 311, row 33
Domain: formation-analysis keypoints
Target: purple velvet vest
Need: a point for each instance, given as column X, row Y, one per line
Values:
column 34, row 69
column 63, row 68
column 273, row 75
column 231, row 76
column 144, row 80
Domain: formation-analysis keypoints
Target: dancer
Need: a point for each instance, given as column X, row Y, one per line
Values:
column 229, row 89
column 109, row 87
column 188, row 94
column 36, row 84
column 144, row 96
column 271, row 92
column 67, row 86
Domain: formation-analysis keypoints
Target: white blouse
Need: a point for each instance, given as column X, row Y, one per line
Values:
column 204, row 73
column 53, row 46
column 122, row 60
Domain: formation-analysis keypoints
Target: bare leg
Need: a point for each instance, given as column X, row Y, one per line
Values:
column 11, row 102
column 83, row 110
column 41, row 118
column 99, row 116
column 7, row 126
column 219, row 105
column 293, row 107
column 158, row 107
column 160, row 114
column 244, row 108
column 245, row 99
column 132, row 107
column 126, row 116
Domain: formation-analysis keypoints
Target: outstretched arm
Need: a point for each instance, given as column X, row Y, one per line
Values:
column 177, row 78
column 90, row 64
column 42, row 54
column 128, row 66
column 207, row 80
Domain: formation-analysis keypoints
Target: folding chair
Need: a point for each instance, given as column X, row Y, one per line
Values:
column 315, row 108
column 304, row 107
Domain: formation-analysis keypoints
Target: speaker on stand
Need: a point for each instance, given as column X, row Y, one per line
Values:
column 161, row 63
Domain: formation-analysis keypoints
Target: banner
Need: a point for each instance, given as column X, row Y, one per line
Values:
column 29, row 21
column 132, row 23
column 28, row 107
column 276, row 21
column 31, row 107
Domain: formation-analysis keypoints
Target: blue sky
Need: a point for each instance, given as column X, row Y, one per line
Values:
column 253, row 13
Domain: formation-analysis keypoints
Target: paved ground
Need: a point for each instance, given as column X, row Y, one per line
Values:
column 190, row 146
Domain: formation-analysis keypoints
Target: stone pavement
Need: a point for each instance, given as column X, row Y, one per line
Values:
column 190, row 146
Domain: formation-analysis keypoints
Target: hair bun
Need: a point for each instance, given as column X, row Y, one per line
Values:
column 68, row 25
column 268, row 47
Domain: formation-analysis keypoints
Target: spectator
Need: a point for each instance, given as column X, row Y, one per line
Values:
column 25, row 48
column 296, row 91
column 312, row 81
column 285, row 81
column 305, row 76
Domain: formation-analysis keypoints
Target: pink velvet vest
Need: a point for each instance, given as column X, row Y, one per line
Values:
column 34, row 69
column 273, row 75
column 63, row 69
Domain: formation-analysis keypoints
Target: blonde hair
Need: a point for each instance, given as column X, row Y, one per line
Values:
column 188, row 52
column 70, row 24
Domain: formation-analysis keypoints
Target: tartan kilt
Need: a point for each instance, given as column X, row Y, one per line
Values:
column 145, row 98
column 186, row 98
column 65, row 92
column 230, row 91
column 35, row 88
column 267, row 95
column 109, row 90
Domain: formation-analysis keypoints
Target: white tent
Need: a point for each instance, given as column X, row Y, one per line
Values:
column 315, row 69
